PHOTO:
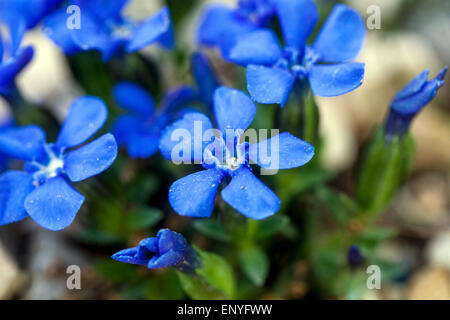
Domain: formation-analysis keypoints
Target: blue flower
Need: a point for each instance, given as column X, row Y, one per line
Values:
column 141, row 129
column 103, row 28
column 22, row 15
column 354, row 256
column 226, row 157
column 11, row 63
column 220, row 25
column 167, row 249
column 42, row 190
column 272, row 71
column 410, row 100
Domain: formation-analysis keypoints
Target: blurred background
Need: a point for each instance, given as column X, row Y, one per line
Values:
column 414, row 35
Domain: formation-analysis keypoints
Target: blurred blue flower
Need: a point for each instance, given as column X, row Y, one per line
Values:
column 141, row 129
column 11, row 63
column 42, row 190
column 22, row 15
column 220, row 24
column 103, row 28
column 410, row 100
column 167, row 249
column 272, row 71
column 354, row 256
column 225, row 157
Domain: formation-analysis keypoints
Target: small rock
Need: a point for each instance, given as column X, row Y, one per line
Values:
column 430, row 284
column 11, row 278
column 438, row 250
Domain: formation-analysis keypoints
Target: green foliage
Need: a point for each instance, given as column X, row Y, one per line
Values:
column 255, row 264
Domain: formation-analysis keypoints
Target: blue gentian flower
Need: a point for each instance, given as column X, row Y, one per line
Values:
column 410, row 100
column 225, row 157
column 140, row 130
column 354, row 256
column 272, row 71
column 42, row 190
column 11, row 63
column 103, row 28
column 167, row 249
column 22, row 15
column 220, row 25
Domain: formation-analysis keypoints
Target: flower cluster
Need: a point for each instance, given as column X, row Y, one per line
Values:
column 42, row 190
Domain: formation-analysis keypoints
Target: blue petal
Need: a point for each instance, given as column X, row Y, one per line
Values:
column 342, row 35
column 169, row 259
column 195, row 195
column 337, row 79
column 54, row 204
column 233, row 109
column 93, row 35
column 17, row 30
column 150, row 244
column 204, row 76
column 124, row 128
column 134, row 98
column 105, row 9
column 127, row 256
column 12, row 66
column 257, row 47
column 170, row 240
column 193, row 123
column 414, row 86
column 143, row 144
column 298, row 19
column 14, row 188
column 86, row 116
column 248, row 195
column 287, row 152
column 24, row 143
column 151, row 30
column 411, row 104
column 269, row 85
column 178, row 98
column 55, row 28
column 215, row 19
column 91, row 159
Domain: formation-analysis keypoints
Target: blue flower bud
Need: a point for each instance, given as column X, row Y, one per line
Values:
column 410, row 100
column 167, row 249
column 354, row 256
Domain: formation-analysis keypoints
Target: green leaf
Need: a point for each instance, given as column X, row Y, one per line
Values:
column 216, row 272
column 214, row 280
column 196, row 288
column 117, row 272
column 384, row 168
column 212, row 228
column 372, row 237
column 144, row 217
column 340, row 206
column 272, row 225
column 255, row 264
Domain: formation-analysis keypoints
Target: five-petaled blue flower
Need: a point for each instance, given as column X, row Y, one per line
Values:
column 167, row 249
column 22, row 15
column 140, row 131
column 42, row 190
column 103, row 28
column 410, row 100
column 11, row 63
column 272, row 71
column 225, row 157
column 220, row 25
